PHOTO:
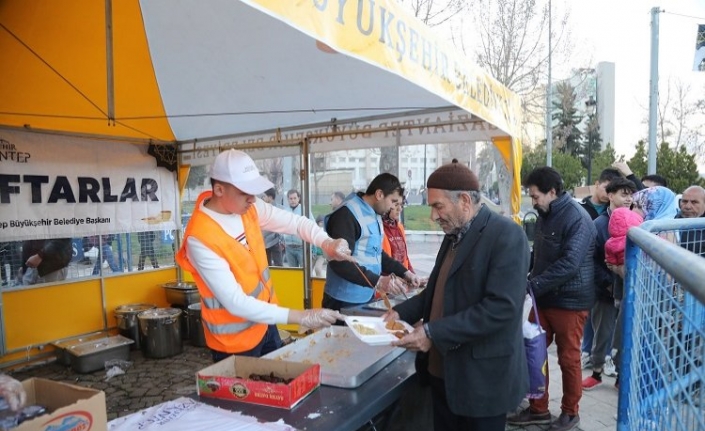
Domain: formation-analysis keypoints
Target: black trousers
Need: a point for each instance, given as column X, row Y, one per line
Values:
column 445, row 420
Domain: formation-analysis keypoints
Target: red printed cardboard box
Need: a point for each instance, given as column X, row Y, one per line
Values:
column 228, row 379
column 71, row 407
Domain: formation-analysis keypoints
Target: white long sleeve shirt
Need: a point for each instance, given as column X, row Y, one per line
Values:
column 215, row 270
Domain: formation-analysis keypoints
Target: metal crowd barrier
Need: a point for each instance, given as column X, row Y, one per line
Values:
column 662, row 372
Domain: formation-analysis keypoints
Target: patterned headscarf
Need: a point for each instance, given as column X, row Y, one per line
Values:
column 657, row 203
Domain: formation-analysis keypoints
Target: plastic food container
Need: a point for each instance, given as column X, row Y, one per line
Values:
column 91, row 356
column 373, row 330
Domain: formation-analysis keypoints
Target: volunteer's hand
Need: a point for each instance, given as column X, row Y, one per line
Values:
column 622, row 167
column 33, row 261
column 390, row 315
column 390, row 284
column 337, row 249
column 13, row 392
column 319, row 318
column 416, row 341
column 413, row 279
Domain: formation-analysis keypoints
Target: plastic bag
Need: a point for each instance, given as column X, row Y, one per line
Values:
column 536, row 351
column 115, row 367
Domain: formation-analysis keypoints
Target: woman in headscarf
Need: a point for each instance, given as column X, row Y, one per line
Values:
column 655, row 203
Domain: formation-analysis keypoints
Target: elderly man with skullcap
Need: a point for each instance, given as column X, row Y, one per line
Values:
column 470, row 344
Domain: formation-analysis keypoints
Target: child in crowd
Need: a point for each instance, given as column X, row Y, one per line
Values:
column 620, row 222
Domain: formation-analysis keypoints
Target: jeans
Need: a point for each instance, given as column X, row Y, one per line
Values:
column 294, row 256
column 604, row 319
column 566, row 328
column 270, row 342
column 105, row 252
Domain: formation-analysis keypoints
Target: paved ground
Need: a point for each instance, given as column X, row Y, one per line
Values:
column 152, row 381
column 148, row 382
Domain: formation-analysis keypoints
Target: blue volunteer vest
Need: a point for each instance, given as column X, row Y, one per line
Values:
column 368, row 253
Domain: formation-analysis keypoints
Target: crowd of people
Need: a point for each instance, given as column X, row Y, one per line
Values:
column 468, row 320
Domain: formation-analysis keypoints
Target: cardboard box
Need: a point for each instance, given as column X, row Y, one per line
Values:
column 228, row 379
column 71, row 407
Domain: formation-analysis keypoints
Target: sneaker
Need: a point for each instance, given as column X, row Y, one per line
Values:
column 610, row 369
column 527, row 417
column 565, row 423
column 585, row 360
column 590, row 382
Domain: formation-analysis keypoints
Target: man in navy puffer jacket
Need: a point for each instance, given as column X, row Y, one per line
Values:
column 562, row 281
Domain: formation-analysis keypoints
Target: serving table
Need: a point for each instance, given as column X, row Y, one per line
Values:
column 332, row 408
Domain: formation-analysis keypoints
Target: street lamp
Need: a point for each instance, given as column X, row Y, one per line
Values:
column 590, row 108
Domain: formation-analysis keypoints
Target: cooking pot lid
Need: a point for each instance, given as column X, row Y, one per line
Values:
column 181, row 285
column 132, row 308
column 159, row 313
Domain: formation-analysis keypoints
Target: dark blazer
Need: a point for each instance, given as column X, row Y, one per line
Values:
column 480, row 334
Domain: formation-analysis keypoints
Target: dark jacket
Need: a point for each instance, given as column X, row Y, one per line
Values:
column 55, row 254
column 564, row 247
column 479, row 336
column 587, row 206
column 604, row 278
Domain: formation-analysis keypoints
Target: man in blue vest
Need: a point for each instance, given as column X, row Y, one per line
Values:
column 359, row 221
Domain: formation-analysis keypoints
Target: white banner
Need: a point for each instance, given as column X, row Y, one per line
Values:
column 440, row 127
column 54, row 186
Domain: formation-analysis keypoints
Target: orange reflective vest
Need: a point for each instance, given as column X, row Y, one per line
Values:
column 223, row 331
column 387, row 247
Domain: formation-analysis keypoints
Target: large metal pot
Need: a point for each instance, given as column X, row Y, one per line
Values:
column 182, row 293
column 161, row 332
column 126, row 317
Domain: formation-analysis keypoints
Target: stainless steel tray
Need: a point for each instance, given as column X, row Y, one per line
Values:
column 346, row 362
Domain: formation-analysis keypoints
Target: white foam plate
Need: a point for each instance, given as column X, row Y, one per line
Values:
column 372, row 330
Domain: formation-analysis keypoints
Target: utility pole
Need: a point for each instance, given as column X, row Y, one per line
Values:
column 549, row 98
column 653, row 90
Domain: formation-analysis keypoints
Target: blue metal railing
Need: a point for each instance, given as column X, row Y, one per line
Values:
column 662, row 372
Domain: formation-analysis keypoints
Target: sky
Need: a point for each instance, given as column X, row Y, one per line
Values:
column 620, row 32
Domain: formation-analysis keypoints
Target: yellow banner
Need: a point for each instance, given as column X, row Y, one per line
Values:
column 382, row 33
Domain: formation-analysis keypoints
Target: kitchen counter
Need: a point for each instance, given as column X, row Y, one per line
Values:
column 336, row 409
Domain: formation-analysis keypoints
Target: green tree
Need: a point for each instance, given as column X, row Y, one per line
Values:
column 678, row 167
column 569, row 167
column 591, row 143
column 603, row 159
column 567, row 136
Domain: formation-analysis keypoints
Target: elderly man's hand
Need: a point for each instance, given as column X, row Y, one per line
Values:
column 416, row 341
column 337, row 249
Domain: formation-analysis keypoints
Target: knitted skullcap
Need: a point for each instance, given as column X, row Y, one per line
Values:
column 453, row 176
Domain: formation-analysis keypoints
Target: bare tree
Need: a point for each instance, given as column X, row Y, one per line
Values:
column 434, row 12
column 680, row 117
column 513, row 47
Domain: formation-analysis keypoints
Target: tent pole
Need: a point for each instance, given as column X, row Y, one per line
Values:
column 109, row 60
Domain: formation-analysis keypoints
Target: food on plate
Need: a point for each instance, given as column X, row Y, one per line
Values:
column 400, row 334
column 364, row 330
column 393, row 325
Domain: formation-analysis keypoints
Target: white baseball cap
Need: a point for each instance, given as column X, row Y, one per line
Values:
column 237, row 168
